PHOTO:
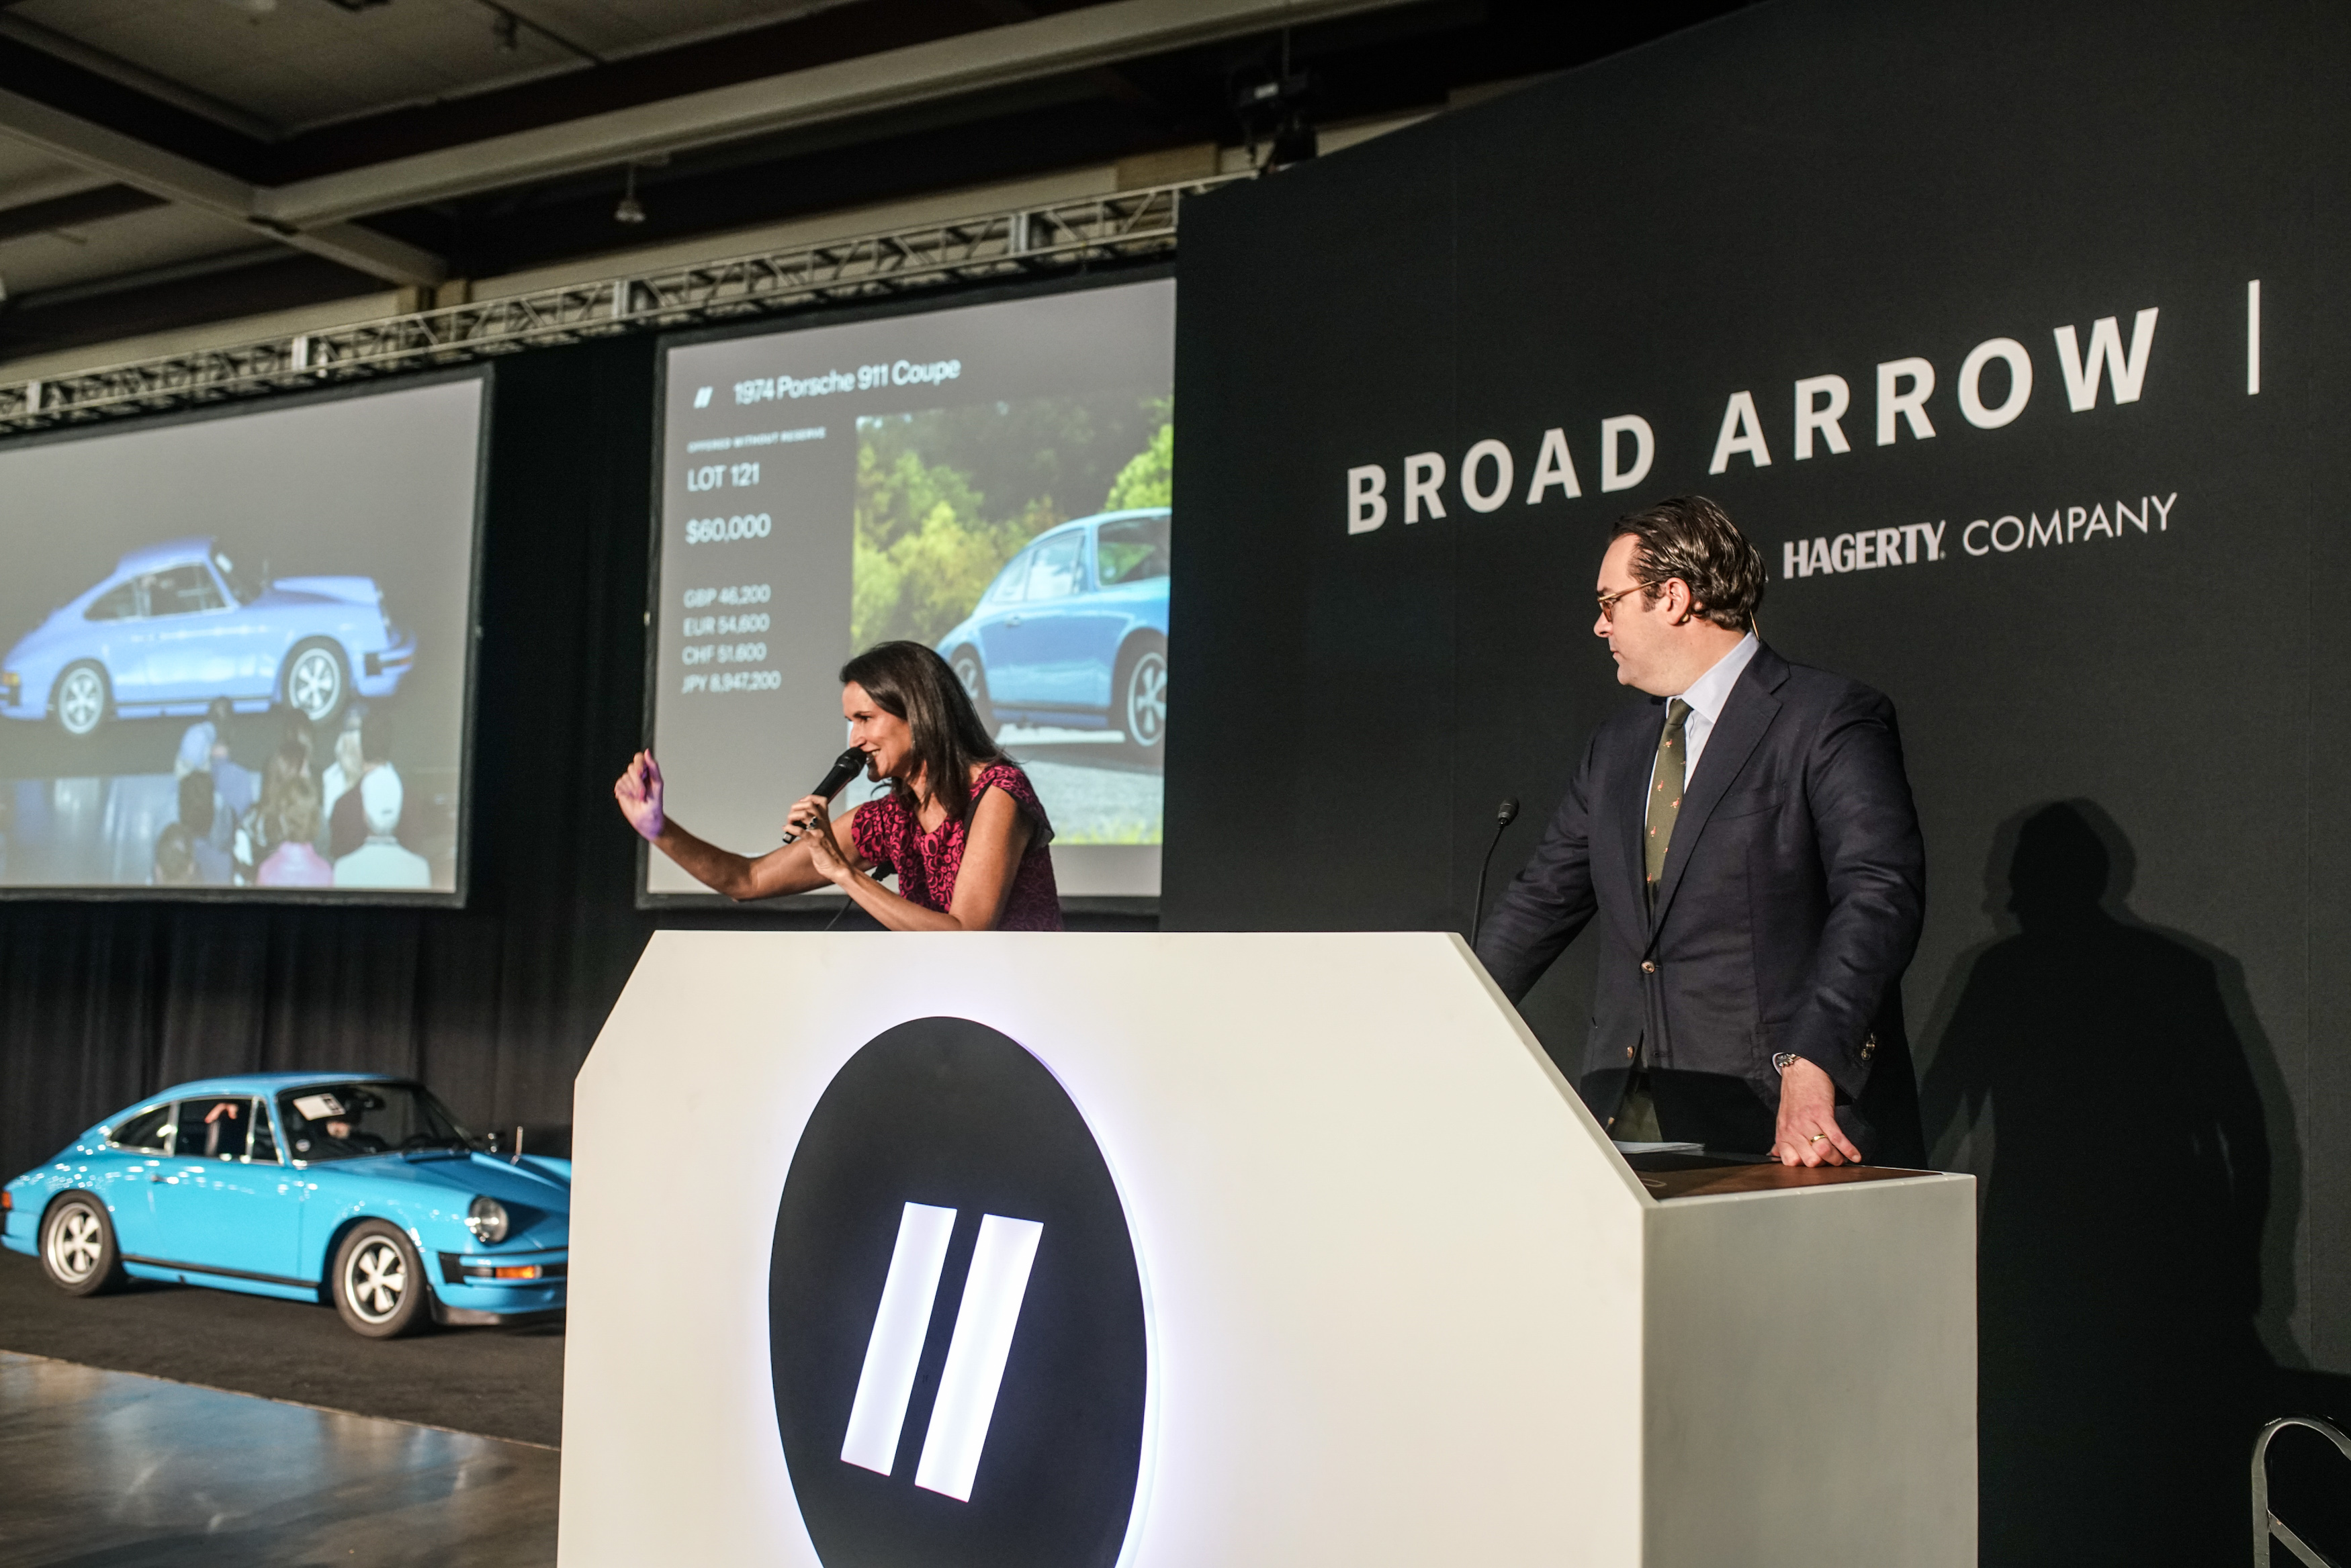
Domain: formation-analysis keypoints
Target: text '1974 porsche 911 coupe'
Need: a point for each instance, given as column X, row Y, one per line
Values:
column 356, row 1188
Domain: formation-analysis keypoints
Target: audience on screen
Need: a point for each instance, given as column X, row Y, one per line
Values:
column 350, row 825
column 344, row 770
column 203, row 748
column 381, row 861
column 256, row 834
column 175, row 861
column 198, row 808
column 296, row 861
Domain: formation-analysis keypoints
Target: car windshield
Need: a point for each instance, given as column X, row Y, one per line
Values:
column 244, row 583
column 350, row 1121
column 1132, row 549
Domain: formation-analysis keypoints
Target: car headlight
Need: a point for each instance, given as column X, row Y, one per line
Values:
column 486, row 1218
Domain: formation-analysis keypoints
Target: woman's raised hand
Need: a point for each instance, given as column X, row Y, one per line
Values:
column 639, row 791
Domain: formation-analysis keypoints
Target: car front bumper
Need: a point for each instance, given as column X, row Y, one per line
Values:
column 480, row 1287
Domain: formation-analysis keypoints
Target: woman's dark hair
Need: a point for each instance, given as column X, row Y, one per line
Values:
column 1690, row 537
column 910, row 681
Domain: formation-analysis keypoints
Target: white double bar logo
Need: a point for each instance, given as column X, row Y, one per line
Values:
column 992, row 1294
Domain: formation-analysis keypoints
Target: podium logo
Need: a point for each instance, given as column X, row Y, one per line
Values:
column 956, row 1314
column 975, row 1355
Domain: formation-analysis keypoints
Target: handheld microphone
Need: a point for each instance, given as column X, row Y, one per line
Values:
column 845, row 767
column 1505, row 814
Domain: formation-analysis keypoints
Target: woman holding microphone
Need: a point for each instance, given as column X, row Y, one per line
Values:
column 961, row 826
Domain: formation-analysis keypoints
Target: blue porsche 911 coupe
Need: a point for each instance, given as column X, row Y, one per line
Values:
column 355, row 1188
column 1073, row 630
column 174, row 626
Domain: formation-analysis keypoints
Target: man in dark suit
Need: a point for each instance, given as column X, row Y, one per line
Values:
column 1748, row 840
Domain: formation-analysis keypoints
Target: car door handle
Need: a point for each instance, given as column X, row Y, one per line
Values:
column 1012, row 621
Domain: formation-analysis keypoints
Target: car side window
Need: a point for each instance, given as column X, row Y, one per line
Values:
column 1054, row 573
column 1010, row 582
column 213, row 1129
column 1132, row 550
column 149, row 1132
column 184, row 590
column 264, row 1142
column 119, row 602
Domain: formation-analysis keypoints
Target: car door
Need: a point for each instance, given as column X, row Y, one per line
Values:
column 117, row 623
column 991, row 622
column 1026, row 643
column 123, row 1177
column 223, row 1200
column 191, row 636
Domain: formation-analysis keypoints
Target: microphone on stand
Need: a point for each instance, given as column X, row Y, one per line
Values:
column 845, row 767
column 1505, row 814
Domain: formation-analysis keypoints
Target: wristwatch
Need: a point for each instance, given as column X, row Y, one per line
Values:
column 1784, row 1060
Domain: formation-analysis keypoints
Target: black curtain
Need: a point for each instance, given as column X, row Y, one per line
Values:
column 494, row 1005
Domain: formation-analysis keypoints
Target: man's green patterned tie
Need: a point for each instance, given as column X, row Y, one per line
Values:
column 1666, row 791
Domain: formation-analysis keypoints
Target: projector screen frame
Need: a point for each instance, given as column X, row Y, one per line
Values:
column 456, row 896
column 825, row 905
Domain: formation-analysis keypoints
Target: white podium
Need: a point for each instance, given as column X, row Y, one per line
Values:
column 1394, row 1297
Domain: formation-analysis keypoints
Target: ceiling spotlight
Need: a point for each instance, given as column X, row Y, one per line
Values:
column 631, row 210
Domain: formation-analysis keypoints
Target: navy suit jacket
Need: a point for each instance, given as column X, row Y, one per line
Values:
column 1789, row 908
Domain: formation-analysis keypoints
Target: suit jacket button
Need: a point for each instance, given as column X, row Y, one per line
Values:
column 1628, row 1053
column 1648, row 966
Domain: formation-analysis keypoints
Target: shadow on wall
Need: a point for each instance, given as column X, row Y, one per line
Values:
column 2110, row 1083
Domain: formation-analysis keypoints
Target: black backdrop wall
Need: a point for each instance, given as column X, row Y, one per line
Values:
column 2111, row 633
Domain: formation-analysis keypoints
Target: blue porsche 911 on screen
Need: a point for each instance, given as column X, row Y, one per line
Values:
column 174, row 626
column 1073, row 630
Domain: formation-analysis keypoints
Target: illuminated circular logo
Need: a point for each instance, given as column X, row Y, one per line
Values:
column 956, row 1314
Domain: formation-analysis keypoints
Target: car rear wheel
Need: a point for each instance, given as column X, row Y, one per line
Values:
column 82, row 698
column 379, row 1281
column 1143, row 696
column 974, row 677
column 316, row 681
column 77, row 1250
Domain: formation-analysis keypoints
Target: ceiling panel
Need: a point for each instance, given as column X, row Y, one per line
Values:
column 134, row 242
column 27, row 175
column 299, row 63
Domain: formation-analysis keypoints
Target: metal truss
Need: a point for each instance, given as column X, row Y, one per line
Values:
column 1056, row 237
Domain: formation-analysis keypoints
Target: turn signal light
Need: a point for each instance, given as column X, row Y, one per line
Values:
column 523, row 1271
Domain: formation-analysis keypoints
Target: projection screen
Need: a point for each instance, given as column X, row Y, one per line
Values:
column 237, row 650
column 991, row 479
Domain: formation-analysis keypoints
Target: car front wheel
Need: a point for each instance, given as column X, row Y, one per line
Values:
column 315, row 682
column 1143, row 698
column 379, row 1281
column 81, row 699
column 77, row 1250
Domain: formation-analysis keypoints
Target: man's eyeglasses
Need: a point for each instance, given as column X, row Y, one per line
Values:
column 1608, row 601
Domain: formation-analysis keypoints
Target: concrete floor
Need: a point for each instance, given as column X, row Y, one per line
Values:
column 499, row 1382
column 112, row 1469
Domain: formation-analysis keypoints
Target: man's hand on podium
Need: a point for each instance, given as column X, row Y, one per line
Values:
column 1808, row 1132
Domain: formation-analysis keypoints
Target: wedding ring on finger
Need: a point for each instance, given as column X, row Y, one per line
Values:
column 1818, row 1137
